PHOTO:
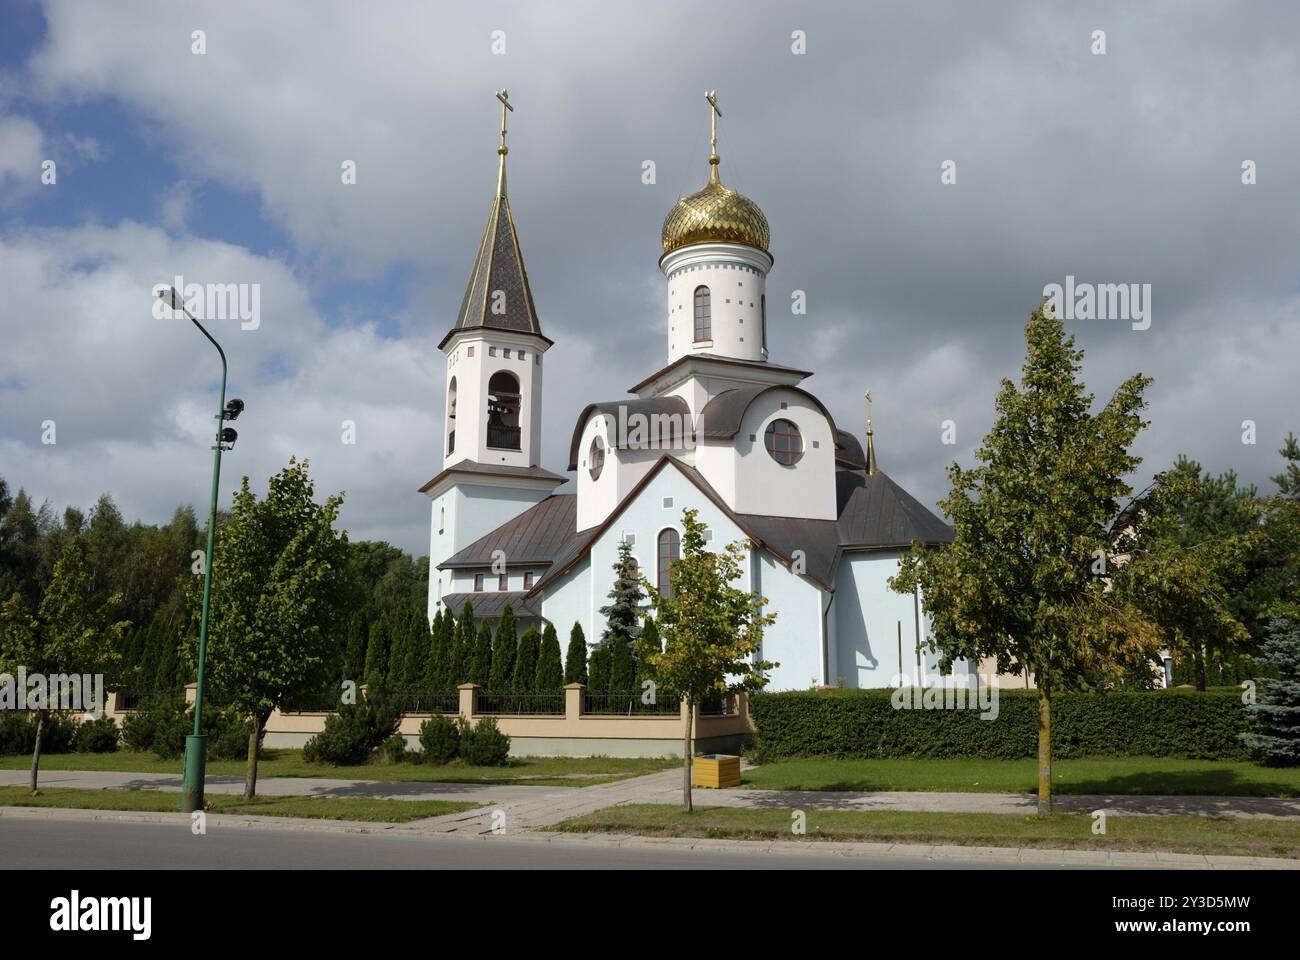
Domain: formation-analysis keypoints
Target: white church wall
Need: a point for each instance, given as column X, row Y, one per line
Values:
column 472, row 359
column 568, row 601
column 472, row 510
column 736, row 276
column 763, row 486
column 795, row 639
column 869, row 620
column 596, row 498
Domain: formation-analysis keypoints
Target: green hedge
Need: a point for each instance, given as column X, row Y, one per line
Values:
column 862, row 724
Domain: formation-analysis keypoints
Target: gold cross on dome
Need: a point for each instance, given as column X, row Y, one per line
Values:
column 714, row 113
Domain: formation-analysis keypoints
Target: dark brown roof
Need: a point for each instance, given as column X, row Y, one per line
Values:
column 876, row 513
column 534, row 538
column 495, row 470
column 726, row 361
column 722, row 415
column 655, row 406
column 489, row 605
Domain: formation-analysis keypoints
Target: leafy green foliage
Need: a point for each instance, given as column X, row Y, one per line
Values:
column 278, row 617
column 863, row 724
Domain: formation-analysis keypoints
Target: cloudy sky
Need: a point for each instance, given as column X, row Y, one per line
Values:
column 224, row 167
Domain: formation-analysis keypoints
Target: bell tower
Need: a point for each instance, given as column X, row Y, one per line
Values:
column 491, row 431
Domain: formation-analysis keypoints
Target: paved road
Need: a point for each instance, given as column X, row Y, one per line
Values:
column 31, row 843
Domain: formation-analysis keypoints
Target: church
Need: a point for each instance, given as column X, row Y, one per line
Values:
column 721, row 427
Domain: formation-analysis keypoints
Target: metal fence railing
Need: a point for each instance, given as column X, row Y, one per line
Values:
column 630, row 704
column 428, row 701
column 517, row 704
column 718, row 707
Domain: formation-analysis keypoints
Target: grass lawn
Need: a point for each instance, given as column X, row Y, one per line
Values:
column 1175, row 834
column 320, row 808
column 1114, row 775
column 525, row 771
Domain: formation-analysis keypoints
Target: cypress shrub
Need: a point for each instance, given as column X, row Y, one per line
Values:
column 526, row 664
column 622, row 668
column 504, row 651
column 550, row 672
column 575, row 658
column 96, row 736
column 482, row 671
column 599, row 682
column 863, row 724
column 484, row 745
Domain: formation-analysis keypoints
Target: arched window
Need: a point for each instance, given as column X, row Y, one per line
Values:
column 503, row 411
column 703, row 315
column 596, row 458
column 783, row 442
column 669, row 552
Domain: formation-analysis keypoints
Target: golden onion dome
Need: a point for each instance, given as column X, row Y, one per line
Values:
column 715, row 214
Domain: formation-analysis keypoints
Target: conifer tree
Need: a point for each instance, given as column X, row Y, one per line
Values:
column 435, row 667
column 550, row 671
column 622, row 666
column 482, row 672
column 504, row 653
column 648, row 645
column 354, row 656
column 417, row 656
column 399, row 651
column 377, row 653
column 599, row 679
column 526, row 664
column 462, row 656
column 1275, row 715
column 623, row 612
column 575, row 658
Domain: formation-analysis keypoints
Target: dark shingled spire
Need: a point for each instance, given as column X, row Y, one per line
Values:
column 499, row 266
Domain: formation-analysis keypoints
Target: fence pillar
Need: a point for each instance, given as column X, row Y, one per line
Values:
column 191, row 693
column 468, row 695
column 573, row 700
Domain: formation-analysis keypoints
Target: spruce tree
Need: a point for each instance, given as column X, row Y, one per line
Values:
column 575, row 658
column 623, row 612
column 1275, row 716
column 482, row 671
column 549, row 677
column 526, row 664
column 599, row 682
column 504, row 652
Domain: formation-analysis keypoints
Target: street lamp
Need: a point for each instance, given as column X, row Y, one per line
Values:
column 196, row 743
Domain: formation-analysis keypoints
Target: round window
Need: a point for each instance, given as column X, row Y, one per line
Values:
column 596, row 458
column 783, row 442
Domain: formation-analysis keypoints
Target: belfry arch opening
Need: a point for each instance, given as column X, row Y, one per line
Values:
column 503, row 405
column 451, row 416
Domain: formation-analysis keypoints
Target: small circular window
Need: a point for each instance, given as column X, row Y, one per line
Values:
column 783, row 442
column 596, row 458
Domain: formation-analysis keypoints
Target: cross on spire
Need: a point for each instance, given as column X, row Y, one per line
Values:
column 504, row 97
column 871, row 439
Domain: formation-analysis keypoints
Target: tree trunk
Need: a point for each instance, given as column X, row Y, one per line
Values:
column 1044, row 752
column 686, row 756
column 1198, row 657
column 250, row 776
column 36, row 753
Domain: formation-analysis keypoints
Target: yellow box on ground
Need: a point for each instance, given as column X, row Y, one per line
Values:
column 715, row 770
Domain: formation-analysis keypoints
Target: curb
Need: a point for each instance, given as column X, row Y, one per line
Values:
column 1157, row 860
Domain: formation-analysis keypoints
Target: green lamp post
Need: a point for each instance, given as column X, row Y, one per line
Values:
column 196, row 743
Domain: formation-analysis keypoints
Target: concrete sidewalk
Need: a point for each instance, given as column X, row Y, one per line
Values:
column 530, row 808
